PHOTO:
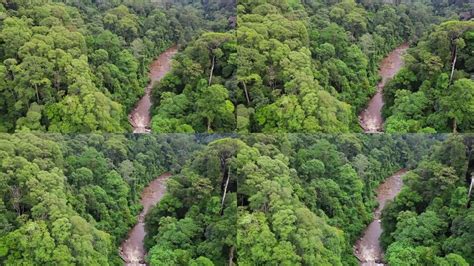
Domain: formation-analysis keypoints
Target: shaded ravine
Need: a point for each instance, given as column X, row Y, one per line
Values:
column 367, row 248
column 370, row 119
column 132, row 250
column 140, row 116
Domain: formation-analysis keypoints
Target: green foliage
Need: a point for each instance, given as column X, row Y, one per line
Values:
column 197, row 95
column 257, row 199
column 312, row 66
column 305, row 199
column 430, row 94
column 72, row 199
column 421, row 227
column 195, row 223
column 291, row 66
column 80, row 66
column 45, row 228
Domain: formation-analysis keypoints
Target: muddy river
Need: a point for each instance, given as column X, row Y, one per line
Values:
column 140, row 116
column 367, row 249
column 132, row 250
column 370, row 118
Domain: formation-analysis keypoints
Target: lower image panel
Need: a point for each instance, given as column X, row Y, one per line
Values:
column 249, row 199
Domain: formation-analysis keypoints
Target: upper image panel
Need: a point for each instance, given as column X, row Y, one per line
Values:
column 350, row 66
column 116, row 66
column 174, row 66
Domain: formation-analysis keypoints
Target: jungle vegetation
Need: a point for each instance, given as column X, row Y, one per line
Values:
column 80, row 66
column 300, row 199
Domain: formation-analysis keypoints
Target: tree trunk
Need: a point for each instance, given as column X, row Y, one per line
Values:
column 454, row 63
column 246, row 92
column 212, row 68
column 208, row 125
column 57, row 80
column 16, row 199
column 470, row 190
column 37, row 94
column 470, row 187
column 225, row 191
column 455, row 126
column 231, row 256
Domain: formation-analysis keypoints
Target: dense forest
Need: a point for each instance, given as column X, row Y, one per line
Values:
column 312, row 66
column 251, row 199
column 71, row 199
column 195, row 96
column 258, row 156
column 301, row 199
column 304, row 199
column 252, row 66
column 195, row 223
column 430, row 222
column 435, row 90
column 80, row 66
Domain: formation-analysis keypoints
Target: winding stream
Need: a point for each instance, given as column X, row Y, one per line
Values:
column 132, row 250
column 140, row 116
column 367, row 249
column 371, row 119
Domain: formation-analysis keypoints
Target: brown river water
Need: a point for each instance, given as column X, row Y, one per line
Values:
column 132, row 250
column 140, row 116
column 367, row 249
column 371, row 119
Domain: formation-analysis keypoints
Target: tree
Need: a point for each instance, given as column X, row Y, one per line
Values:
column 458, row 105
column 213, row 105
